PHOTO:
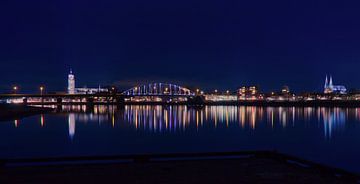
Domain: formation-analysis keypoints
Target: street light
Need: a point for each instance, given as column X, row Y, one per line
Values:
column 41, row 92
column 42, row 89
column 113, row 90
column 15, row 88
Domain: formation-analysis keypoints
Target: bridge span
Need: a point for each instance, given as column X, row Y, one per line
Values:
column 153, row 92
column 156, row 89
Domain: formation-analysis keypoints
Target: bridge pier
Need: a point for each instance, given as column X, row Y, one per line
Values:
column 59, row 104
column 90, row 102
column 120, row 100
column 198, row 100
column 25, row 101
column 89, row 108
column 59, row 108
column 59, row 101
column 165, row 99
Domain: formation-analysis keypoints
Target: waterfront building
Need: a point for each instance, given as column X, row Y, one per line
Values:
column 330, row 88
column 73, row 90
column 285, row 90
column 251, row 92
column 220, row 98
column 86, row 90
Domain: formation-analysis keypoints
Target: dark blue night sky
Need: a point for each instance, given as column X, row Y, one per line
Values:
column 208, row 44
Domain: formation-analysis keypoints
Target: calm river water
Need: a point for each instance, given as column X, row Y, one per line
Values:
column 326, row 135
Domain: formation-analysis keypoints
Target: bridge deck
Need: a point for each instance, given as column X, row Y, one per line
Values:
column 7, row 96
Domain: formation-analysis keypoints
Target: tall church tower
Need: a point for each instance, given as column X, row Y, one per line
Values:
column 329, row 86
column 71, row 83
column 326, row 82
column 331, row 82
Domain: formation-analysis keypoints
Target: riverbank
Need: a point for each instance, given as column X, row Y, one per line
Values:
column 236, row 167
column 16, row 111
column 259, row 103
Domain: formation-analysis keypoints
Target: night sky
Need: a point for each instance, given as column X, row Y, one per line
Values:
column 208, row 44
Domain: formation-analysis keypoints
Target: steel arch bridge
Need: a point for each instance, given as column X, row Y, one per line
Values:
column 158, row 89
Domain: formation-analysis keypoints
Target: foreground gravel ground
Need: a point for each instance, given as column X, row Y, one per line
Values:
column 231, row 170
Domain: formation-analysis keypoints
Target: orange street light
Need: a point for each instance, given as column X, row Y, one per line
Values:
column 15, row 88
column 42, row 89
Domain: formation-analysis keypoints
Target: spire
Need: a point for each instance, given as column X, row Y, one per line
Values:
column 331, row 81
column 71, row 72
column 326, row 82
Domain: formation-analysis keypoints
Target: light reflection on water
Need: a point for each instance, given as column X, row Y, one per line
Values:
column 324, row 135
column 159, row 119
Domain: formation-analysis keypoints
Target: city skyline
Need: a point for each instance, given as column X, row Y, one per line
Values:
column 72, row 86
column 212, row 44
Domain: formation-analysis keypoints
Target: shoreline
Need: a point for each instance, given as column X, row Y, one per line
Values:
column 18, row 111
column 315, row 103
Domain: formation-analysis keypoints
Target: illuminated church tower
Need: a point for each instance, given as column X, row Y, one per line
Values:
column 329, row 87
column 71, row 83
column 331, row 82
column 326, row 82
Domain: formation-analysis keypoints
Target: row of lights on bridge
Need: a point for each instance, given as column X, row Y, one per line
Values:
column 198, row 91
column 42, row 88
column 16, row 89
